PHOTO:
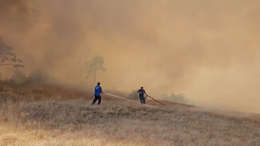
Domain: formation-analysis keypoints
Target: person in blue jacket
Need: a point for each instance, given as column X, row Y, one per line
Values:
column 98, row 91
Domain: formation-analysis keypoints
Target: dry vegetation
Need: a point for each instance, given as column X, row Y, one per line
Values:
column 55, row 115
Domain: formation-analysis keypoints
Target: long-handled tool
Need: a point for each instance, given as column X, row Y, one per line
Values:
column 131, row 100
column 155, row 100
column 90, row 98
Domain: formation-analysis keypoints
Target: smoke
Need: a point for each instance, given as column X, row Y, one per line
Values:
column 47, row 36
column 207, row 50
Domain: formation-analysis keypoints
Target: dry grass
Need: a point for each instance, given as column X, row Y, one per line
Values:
column 46, row 121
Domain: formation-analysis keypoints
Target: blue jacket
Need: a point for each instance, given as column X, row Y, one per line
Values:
column 98, row 90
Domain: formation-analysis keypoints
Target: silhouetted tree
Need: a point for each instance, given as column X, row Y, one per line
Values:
column 7, row 57
column 96, row 64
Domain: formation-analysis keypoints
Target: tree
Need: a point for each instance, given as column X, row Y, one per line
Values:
column 7, row 57
column 94, row 66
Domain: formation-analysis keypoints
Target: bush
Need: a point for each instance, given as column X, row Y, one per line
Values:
column 18, row 77
column 35, row 77
column 133, row 95
column 180, row 98
column 38, row 76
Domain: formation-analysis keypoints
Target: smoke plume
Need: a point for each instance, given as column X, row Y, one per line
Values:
column 207, row 50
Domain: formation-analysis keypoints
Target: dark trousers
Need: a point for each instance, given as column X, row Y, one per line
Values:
column 142, row 99
column 97, row 98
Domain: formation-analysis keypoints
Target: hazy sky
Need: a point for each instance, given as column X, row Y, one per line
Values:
column 207, row 50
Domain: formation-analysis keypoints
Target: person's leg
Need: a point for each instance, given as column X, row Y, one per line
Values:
column 94, row 101
column 141, row 99
column 99, row 100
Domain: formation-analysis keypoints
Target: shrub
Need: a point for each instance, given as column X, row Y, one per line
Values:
column 180, row 98
column 18, row 77
column 35, row 77
column 38, row 76
column 133, row 95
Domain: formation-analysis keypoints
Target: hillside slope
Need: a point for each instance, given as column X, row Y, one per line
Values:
column 68, row 122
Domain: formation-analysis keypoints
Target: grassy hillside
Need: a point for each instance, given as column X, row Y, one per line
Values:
column 53, row 115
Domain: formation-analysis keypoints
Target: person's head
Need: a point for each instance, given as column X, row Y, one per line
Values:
column 98, row 84
column 141, row 87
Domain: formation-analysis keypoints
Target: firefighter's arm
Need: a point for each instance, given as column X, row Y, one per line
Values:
column 145, row 93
